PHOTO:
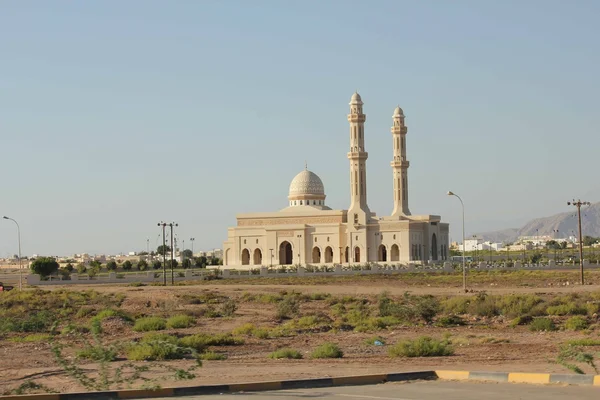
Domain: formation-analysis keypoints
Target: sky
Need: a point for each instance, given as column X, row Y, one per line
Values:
column 116, row 115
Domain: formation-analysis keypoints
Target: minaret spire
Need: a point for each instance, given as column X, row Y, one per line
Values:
column 358, row 212
column 400, row 164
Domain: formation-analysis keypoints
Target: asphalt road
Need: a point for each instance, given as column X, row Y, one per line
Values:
column 433, row 390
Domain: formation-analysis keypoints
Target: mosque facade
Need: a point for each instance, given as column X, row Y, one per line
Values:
column 309, row 232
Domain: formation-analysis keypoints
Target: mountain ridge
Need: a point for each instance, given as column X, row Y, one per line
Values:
column 565, row 223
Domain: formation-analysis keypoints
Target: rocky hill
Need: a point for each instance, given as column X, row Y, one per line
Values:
column 565, row 223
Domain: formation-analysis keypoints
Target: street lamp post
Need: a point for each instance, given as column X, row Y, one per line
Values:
column 164, row 225
column 172, row 224
column 463, row 237
column 577, row 204
column 19, row 238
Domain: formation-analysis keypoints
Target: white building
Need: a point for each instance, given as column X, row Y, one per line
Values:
column 307, row 231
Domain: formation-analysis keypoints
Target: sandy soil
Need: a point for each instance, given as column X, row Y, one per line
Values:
column 521, row 349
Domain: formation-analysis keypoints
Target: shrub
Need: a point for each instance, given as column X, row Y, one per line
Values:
column 577, row 323
column 127, row 265
column 245, row 329
column 449, row 320
column 287, row 308
column 201, row 340
column 286, row 353
column 108, row 313
column 156, row 264
column 150, row 324
column 81, row 268
column 423, row 346
column 98, row 353
column 69, row 267
column 566, row 309
column 33, row 338
column 542, row 324
column 180, row 321
column 155, row 350
column 409, row 307
column 522, row 320
column 584, row 342
column 228, row 308
column 327, row 350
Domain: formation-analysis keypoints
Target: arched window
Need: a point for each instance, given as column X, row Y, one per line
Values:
column 257, row 257
column 328, row 255
column 245, row 257
column 316, row 255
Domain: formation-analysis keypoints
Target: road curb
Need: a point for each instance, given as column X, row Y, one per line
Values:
column 515, row 377
column 520, row 377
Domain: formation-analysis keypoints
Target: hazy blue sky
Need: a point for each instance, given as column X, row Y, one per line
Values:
column 115, row 115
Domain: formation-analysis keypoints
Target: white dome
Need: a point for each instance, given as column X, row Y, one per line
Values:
column 398, row 112
column 306, row 182
column 355, row 99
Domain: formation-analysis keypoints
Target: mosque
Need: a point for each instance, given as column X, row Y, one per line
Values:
column 309, row 232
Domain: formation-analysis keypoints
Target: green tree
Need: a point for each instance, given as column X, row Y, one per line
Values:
column 127, row 265
column 142, row 265
column 187, row 253
column 589, row 240
column 69, row 267
column 81, row 268
column 95, row 264
column 162, row 250
column 156, row 264
column 173, row 264
column 552, row 244
column 563, row 245
column 111, row 265
column 215, row 261
column 200, row 262
column 187, row 263
column 44, row 266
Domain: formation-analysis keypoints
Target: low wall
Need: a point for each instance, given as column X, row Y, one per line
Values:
column 278, row 272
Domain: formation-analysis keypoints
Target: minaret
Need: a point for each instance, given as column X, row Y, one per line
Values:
column 400, row 165
column 358, row 213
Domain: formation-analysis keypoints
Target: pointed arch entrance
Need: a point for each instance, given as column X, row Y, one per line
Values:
column 395, row 256
column 357, row 254
column 328, row 255
column 285, row 253
column 382, row 253
column 257, row 257
column 316, row 255
column 434, row 247
column 245, row 257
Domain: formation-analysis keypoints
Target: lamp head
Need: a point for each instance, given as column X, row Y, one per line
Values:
column 568, row 203
column 450, row 193
column 5, row 217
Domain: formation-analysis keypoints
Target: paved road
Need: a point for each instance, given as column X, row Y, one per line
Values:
column 422, row 391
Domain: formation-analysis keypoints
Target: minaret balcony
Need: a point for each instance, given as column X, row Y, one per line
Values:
column 361, row 155
column 400, row 164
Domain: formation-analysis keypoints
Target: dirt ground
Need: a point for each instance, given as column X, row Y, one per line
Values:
column 482, row 345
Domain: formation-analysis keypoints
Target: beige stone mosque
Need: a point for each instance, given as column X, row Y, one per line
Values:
column 309, row 232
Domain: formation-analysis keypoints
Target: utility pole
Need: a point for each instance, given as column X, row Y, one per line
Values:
column 164, row 251
column 148, row 248
column 578, row 204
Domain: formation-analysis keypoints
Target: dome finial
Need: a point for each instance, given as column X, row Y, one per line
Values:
column 305, row 165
